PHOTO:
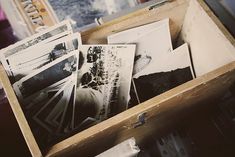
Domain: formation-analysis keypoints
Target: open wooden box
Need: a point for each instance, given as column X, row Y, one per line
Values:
column 212, row 49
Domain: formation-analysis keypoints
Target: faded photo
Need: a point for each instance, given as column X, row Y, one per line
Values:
column 103, row 83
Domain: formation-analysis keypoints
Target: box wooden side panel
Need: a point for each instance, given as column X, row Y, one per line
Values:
column 210, row 43
column 174, row 10
column 160, row 111
column 216, row 20
column 15, row 106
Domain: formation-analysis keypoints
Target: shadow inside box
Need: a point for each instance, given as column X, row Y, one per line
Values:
column 12, row 142
column 6, row 34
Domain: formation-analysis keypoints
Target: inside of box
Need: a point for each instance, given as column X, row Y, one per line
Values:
column 188, row 23
column 145, row 16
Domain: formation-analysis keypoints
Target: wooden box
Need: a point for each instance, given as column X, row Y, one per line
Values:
column 213, row 51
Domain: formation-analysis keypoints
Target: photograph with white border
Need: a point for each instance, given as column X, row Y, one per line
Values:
column 103, row 82
column 33, row 58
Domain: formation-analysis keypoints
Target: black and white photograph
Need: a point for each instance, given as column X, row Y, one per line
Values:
column 152, row 40
column 46, row 76
column 52, row 115
column 52, row 33
column 172, row 70
column 47, row 98
column 27, row 61
column 53, row 118
column 44, row 95
column 84, row 12
column 58, row 31
column 103, row 82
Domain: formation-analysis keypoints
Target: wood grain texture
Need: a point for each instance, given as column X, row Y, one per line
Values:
column 210, row 43
column 161, row 111
column 16, row 108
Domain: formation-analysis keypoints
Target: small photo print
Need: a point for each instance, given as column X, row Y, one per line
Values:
column 152, row 40
column 27, row 61
column 46, row 76
column 172, row 70
column 52, row 33
column 103, row 82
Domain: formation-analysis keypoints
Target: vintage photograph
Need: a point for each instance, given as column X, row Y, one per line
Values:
column 47, row 97
column 172, row 70
column 84, row 12
column 58, row 110
column 44, row 95
column 103, row 82
column 152, row 40
column 31, row 59
column 46, row 76
column 53, row 118
column 52, row 33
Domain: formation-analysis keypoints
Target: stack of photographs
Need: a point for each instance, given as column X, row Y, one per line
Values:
column 63, row 86
column 157, row 66
column 40, row 68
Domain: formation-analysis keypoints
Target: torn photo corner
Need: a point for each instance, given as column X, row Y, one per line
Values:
column 103, row 82
column 172, row 70
column 46, row 76
column 27, row 61
column 152, row 41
